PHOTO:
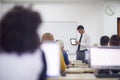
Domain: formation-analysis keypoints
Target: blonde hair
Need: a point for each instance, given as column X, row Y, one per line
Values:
column 47, row 37
column 61, row 43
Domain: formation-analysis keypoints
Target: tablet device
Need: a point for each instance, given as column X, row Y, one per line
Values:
column 73, row 41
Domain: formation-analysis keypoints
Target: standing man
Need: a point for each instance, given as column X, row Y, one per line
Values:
column 83, row 44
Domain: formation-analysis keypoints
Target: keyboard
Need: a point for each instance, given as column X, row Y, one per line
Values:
column 107, row 75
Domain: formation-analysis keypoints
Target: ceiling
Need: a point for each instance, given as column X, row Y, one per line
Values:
column 51, row 1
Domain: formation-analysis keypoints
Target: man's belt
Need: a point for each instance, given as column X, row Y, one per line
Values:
column 83, row 50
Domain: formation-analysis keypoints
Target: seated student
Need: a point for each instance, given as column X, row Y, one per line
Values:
column 65, row 55
column 104, row 41
column 115, row 42
column 21, row 57
column 49, row 37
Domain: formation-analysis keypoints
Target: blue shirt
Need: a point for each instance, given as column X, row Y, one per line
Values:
column 65, row 55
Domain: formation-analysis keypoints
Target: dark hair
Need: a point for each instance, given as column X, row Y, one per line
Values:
column 80, row 27
column 19, row 30
column 115, row 40
column 104, row 40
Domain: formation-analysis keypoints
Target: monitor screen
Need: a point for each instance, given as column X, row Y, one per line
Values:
column 52, row 54
column 105, row 58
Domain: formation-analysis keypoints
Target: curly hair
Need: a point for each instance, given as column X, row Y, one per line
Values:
column 19, row 30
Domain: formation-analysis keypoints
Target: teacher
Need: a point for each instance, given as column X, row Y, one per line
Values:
column 83, row 44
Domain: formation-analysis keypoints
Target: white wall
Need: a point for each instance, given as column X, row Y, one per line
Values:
column 110, row 22
column 82, row 13
column 61, row 31
column 89, row 14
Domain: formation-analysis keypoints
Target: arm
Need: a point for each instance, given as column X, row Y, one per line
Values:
column 44, row 71
column 62, row 63
column 66, row 58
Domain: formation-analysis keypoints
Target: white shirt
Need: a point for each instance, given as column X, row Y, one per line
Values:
column 25, row 67
column 85, row 41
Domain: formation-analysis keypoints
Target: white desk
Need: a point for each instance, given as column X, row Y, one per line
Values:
column 78, row 70
column 78, row 64
column 80, row 77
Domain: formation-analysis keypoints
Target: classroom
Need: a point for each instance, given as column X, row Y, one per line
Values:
column 62, row 17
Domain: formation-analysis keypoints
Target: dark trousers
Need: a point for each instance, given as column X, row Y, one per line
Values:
column 80, row 55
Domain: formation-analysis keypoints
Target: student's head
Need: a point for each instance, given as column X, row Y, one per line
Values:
column 80, row 29
column 19, row 30
column 61, row 44
column 104, row 40
column 47, row 37
column 115, row 40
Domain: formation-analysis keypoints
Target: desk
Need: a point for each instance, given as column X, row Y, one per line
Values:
column 79, row 70
column 78, row 64
column 80, row 77
column 74, row 70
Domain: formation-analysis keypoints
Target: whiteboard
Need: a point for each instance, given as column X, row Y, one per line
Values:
column 61, row 30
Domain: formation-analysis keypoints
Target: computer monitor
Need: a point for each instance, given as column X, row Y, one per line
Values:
column 105, row 57
column 52, row 54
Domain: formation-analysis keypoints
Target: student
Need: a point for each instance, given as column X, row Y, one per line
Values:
column 83, row 44
column 115, row 42
column 65, row 55
column 20, row 55
column 104, row 41
column 48, row 37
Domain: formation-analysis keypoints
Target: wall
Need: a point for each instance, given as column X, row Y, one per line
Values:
column 110, row 22
column 89, row 14
column 61, row 31
column 82, row 13
column 70, row 13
